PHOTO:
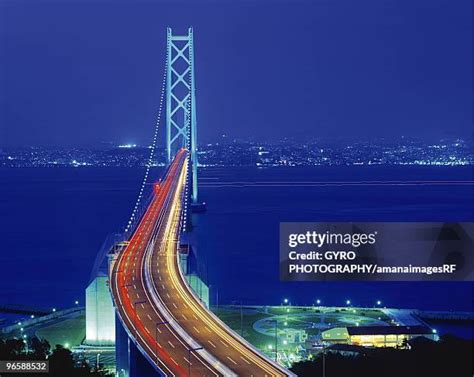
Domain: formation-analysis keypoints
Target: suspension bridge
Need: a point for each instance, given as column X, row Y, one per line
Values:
column 163, row 328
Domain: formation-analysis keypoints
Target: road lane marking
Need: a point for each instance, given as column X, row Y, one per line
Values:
column 184, row 317
column 224, row 343
column 149, row 317
column 244, row 359
column 171, row 344
column 174, row 305
column 212, row 344
column 194, row 327
column 231, row 360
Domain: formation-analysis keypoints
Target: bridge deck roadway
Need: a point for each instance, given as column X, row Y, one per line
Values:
column 158, row 308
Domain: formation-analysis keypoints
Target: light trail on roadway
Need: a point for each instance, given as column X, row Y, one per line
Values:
column 158, row 309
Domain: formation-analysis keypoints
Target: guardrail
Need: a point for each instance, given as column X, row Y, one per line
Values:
column 37, row 320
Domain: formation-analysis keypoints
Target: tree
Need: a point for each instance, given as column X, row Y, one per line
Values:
column 449, row 357
column 61, row 362
column 40, row 348
column 13, row 348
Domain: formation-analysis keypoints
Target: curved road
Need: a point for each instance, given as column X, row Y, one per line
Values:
column 171, row 327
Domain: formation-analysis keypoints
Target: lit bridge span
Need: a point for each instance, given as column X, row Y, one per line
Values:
column 162, row 324
column 167, row 322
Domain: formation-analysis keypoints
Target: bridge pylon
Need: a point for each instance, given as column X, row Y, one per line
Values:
column 181, row 102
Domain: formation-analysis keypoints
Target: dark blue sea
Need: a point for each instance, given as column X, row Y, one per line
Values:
column 53, row 221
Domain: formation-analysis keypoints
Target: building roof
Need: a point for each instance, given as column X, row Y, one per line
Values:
column 388, row 330
column 346, row 348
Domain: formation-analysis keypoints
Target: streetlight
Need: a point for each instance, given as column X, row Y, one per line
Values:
column 116, row 273
column 25, row 341
column 276, row 338
column 348, row 302
column 217, row 297
column 76, row 302
column 318, row 301
column 136, row 314
column 285, row 301
column 241, row 319
column 324, row 360
column 156, row 337
column 190, row 350
column 97, row 361
column 379, row 302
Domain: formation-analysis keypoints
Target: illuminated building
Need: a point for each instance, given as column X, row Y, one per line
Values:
column 377, row 336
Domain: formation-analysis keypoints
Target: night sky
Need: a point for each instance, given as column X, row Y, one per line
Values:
column 79, row 73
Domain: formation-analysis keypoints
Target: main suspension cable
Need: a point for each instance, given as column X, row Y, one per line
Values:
column 135, row 213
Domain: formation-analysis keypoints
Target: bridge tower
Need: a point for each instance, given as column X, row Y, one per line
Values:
column 181, row 101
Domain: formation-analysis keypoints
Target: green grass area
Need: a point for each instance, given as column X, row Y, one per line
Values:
column 259, row 323
column 70, row 332
column 232, row 318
